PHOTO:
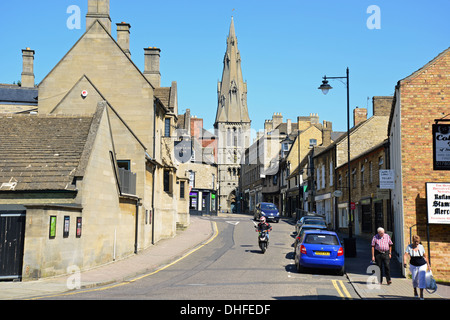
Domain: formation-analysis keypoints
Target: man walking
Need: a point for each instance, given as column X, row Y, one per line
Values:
column 382, row 253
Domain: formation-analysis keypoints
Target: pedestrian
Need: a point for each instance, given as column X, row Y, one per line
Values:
column 382, row 253
column 418, row 264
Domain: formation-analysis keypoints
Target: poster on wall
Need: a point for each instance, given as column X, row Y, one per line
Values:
column 66, row 226
column 441, row 146
column 52, row 229
column 78, row 233
column 438, row 203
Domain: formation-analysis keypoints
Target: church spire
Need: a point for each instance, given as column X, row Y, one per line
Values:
column 232, row 90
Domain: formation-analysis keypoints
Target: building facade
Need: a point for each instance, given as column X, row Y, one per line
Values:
column 124, row 193
column 420, row 99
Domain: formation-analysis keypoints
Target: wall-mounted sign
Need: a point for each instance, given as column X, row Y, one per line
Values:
column 79, row 223
column 438, row 203
column 441, row 146
column 66, row 226
column 52, row 229
column 387, row 179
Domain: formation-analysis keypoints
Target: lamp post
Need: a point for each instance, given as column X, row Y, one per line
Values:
column 350, row 242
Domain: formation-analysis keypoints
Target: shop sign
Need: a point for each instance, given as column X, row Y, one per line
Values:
column 438, row 203
column 441, row 146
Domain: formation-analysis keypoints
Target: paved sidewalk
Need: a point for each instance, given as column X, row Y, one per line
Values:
column 400, row 288
column 161, row 254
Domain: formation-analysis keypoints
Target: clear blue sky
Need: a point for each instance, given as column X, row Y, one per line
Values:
column 286, row 47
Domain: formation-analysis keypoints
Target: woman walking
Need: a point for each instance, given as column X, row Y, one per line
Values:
column 418, row 264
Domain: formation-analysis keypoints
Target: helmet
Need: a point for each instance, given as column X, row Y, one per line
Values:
column 263, row 219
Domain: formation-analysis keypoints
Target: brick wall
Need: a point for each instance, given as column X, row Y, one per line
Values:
column 424, row 97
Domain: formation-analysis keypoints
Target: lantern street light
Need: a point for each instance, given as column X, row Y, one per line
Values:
column 350, row 242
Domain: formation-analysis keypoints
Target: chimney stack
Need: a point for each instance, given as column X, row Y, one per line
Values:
column 98, row 10
column 382, row 105
column 123, row 36
column 326, row 133
column 28, row 68
column 151, row 66
column 359, row 115
column 277, row 119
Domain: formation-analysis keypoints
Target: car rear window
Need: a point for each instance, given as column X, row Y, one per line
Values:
column 316, row 222
column 326, row 239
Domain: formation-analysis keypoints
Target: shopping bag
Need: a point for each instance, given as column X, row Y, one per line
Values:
column 431, row 285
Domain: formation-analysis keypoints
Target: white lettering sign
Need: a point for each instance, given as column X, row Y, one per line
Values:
column 438, row 203
column 387, row 179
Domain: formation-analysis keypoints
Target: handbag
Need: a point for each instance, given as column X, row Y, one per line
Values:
column 431, row 285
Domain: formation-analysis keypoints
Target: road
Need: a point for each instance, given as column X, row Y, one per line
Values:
column 231, row 267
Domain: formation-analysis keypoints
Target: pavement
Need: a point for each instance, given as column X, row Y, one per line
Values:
column 400, row 289
column 168, row 251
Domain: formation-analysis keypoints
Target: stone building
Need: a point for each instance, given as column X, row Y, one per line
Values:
column 131, row 200
column 200, row 166
column 329, row 169
column 53, row 173
column 420, row 99
column 232, row 124
column 373, row 207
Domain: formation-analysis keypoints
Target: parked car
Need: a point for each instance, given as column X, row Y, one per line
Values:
column 319, row 249
column 268, row 210
column 309, row 220
column 306, row 227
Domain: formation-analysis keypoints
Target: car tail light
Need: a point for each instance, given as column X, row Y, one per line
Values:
column 303, row 249
column 340, row 252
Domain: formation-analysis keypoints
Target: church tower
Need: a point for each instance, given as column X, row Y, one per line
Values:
column 232, row 123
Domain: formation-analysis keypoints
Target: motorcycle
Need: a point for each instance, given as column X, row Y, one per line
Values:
column 263, row 240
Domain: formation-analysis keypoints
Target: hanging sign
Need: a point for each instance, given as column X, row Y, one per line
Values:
column 441, row 146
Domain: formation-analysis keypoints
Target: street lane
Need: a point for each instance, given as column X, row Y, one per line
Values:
column 232, row 267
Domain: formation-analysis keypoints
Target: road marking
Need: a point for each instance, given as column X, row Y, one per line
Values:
column 336, row 286
column 216, row 233
column 234, row 223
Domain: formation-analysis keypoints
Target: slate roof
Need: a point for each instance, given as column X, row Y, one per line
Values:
column 13, row 94
column 41, row 152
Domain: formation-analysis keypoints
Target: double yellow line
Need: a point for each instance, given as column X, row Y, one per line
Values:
column 344, row 292
column 216, row 232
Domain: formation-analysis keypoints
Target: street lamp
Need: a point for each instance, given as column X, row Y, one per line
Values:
column 350, row 242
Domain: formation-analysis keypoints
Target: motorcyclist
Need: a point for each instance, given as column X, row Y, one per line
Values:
column 263, row 225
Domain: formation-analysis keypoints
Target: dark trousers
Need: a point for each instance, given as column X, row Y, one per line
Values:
column 382, row 259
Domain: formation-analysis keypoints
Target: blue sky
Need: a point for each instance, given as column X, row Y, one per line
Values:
column 286, row 48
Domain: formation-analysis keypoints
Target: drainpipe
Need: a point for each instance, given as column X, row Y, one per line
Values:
column 154, row 171
column 138, row 204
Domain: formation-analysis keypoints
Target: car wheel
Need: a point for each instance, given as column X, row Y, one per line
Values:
column 341, row 271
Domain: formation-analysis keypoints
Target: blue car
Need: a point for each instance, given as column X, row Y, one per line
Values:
column 268, row 210
column 319, row 249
